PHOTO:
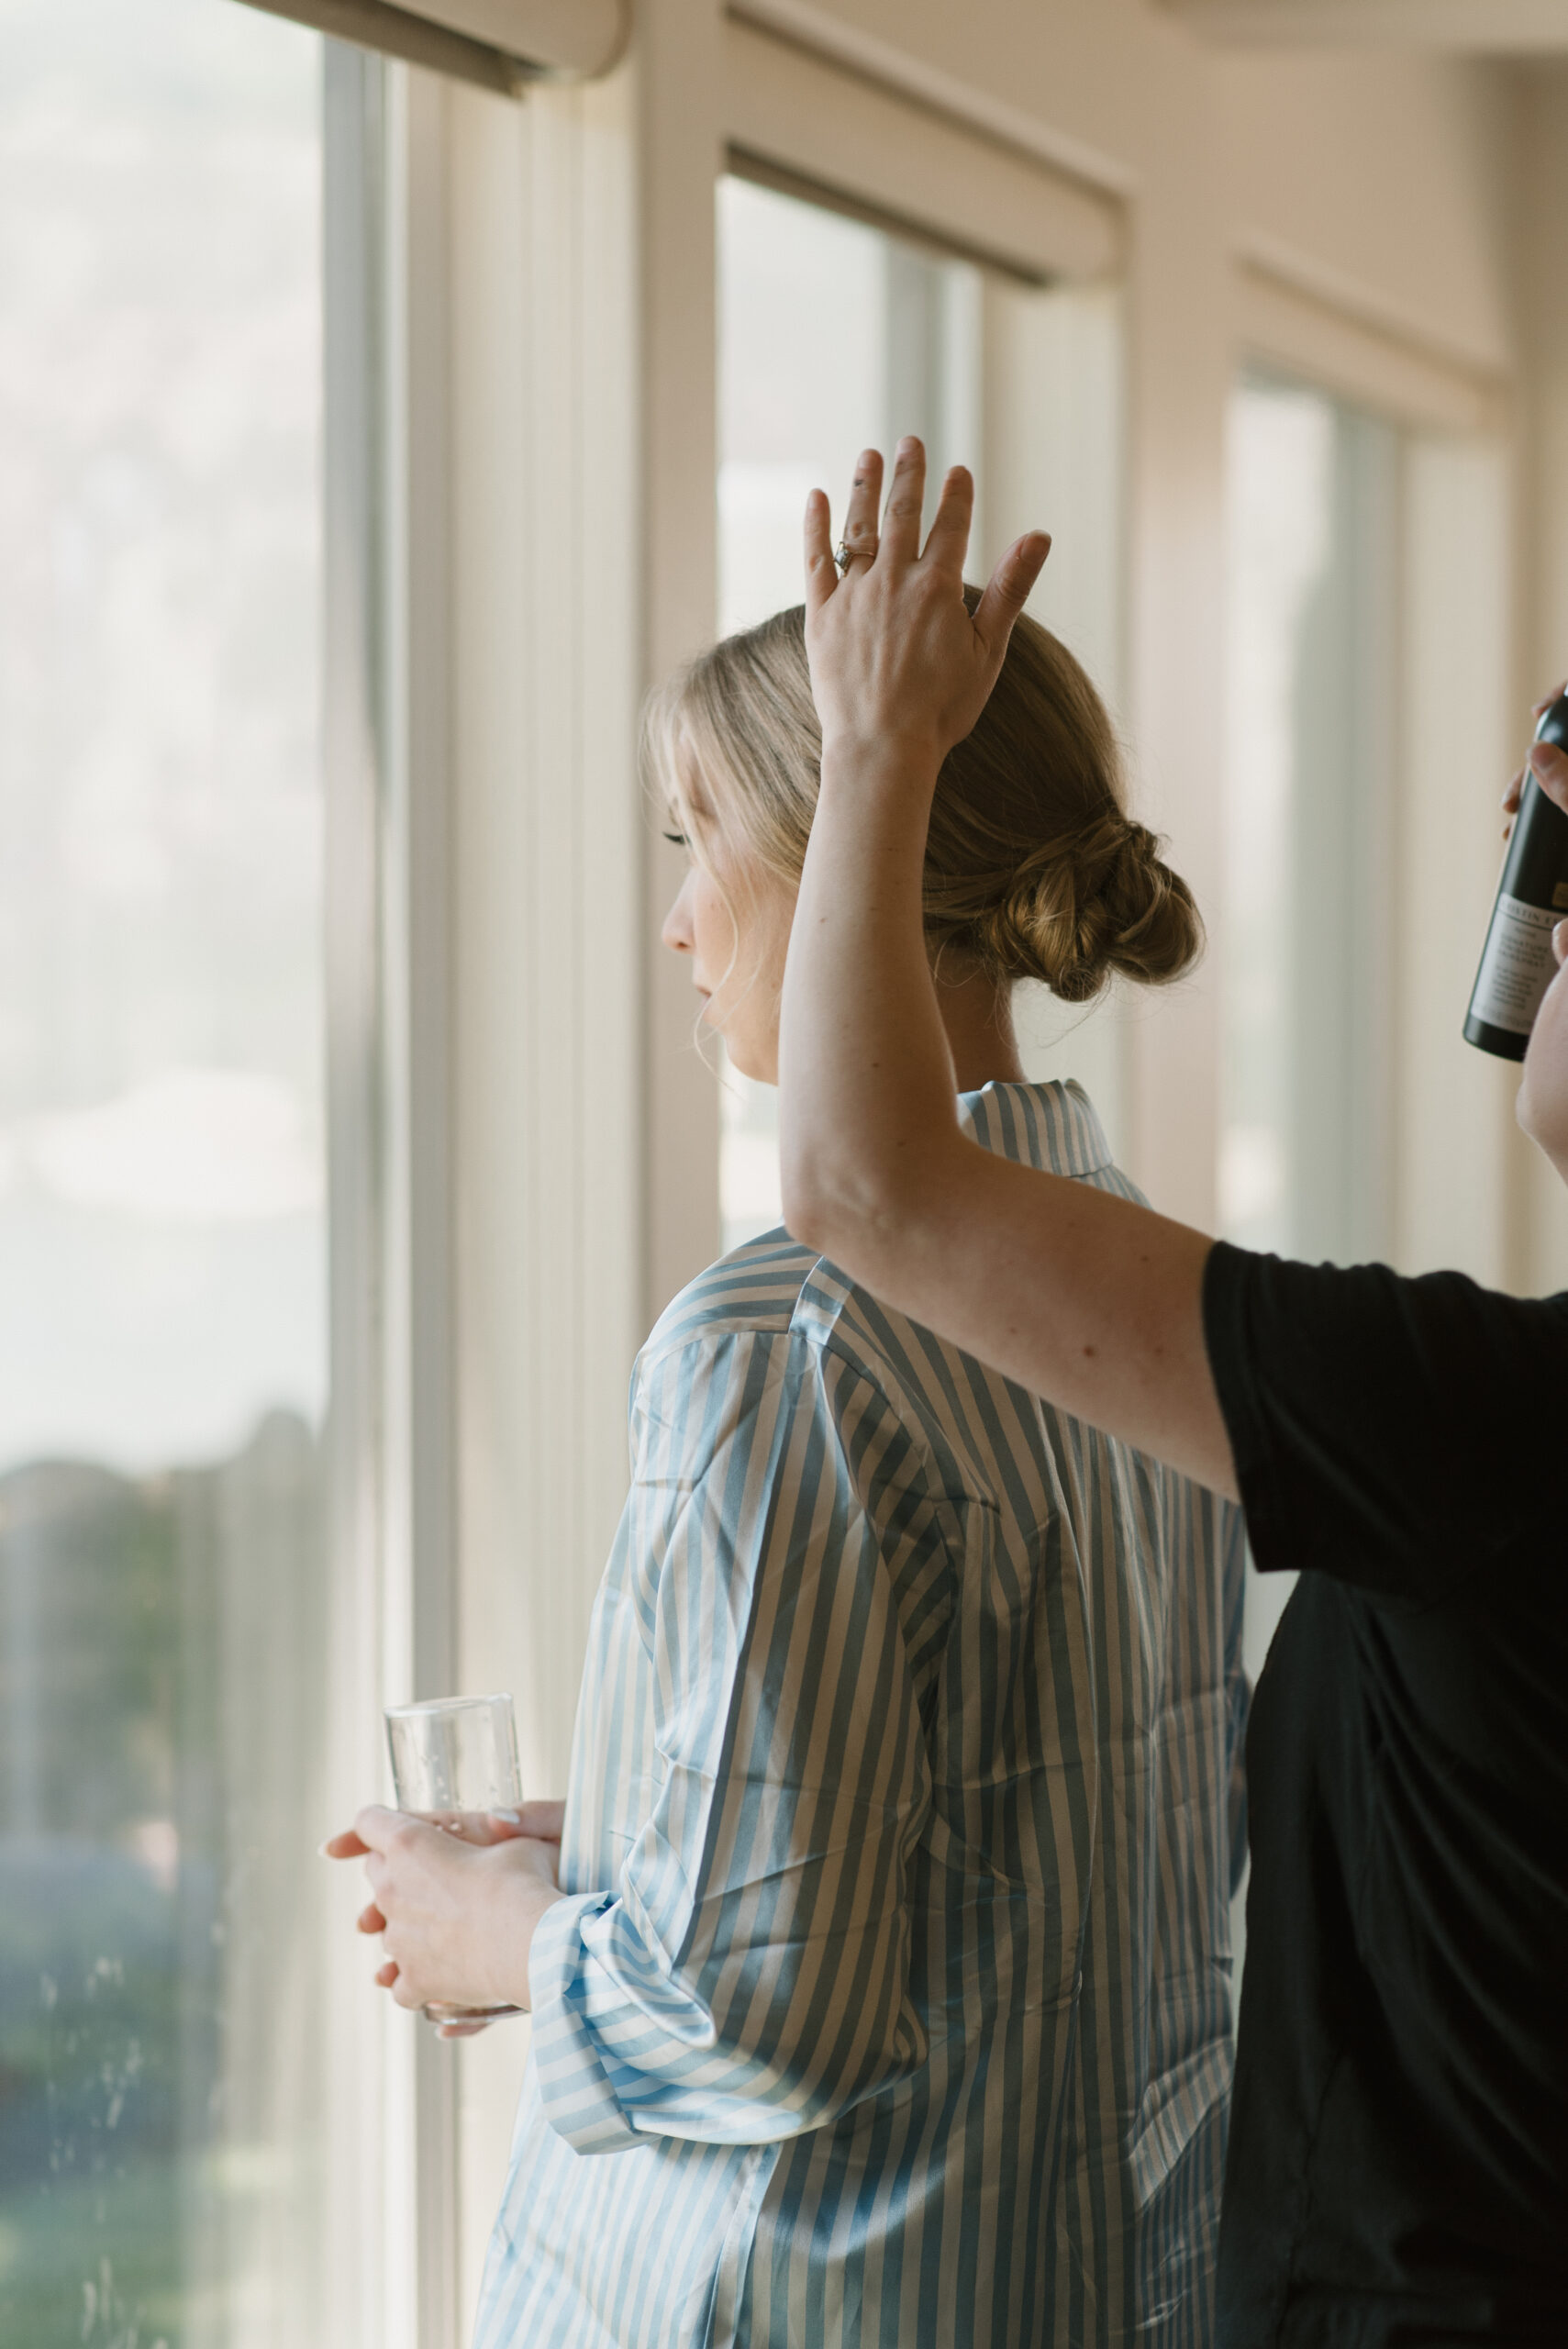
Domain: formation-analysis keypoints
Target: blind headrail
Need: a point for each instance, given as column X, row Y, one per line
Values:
column 502, row 44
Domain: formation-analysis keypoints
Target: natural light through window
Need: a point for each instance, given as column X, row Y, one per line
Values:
column 163, row 1215
column 1313, row 500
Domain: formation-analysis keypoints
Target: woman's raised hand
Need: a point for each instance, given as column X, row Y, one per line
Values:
column 896, row 658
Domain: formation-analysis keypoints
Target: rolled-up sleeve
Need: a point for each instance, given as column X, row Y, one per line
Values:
column 747, row 1978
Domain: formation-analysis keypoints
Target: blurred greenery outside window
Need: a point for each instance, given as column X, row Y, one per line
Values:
column 162, row 1226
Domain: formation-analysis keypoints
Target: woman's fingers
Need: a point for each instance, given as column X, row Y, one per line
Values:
column 1008, row 591
column 344, row 1846
column 543, row 1820
column 461, row 2030
column 432, row 1893
column 376, row 1826
column 946, row 542
column 821, row 572
column 540, row 1820
column 485, row 1827
column 860, row 536
column 906, row 499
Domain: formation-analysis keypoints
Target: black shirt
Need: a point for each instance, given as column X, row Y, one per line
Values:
column 1398, row 2161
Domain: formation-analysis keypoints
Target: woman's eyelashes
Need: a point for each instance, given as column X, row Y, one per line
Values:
column 677, row 839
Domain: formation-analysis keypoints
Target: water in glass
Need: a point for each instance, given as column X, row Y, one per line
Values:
column 455, row 1754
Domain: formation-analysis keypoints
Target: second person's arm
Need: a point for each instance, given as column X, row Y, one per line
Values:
column 1081, row 1297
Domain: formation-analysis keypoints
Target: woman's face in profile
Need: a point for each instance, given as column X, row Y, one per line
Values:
column 733, row 921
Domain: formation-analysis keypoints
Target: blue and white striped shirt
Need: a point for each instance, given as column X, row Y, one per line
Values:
column 892, row 2000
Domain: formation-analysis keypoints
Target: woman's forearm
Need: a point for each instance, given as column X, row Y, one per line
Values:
column 1081, row 1296
column 864, row 1069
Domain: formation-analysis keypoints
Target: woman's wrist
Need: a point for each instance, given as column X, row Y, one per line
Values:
column 896, row 762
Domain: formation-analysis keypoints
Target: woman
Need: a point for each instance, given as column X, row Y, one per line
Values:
column 888, row 1981
column 1398, row 2165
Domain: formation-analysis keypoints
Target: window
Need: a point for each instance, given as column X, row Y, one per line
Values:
column 1004, row 375
column 1306, row 1152
column 903, row 325
column 1310, row 784
column 165, row 1583
column 1367, row 716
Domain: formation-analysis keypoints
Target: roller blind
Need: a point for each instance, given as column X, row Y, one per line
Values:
column 1307, row 335
column 789, row 112
column 503, row 44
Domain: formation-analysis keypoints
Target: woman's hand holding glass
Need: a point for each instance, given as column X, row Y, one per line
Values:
column 456, row 1901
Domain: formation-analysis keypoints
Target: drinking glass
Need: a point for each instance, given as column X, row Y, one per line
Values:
column 455, row 1754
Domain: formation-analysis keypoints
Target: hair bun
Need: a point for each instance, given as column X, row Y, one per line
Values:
column 1102, row 901
column 1032, row 867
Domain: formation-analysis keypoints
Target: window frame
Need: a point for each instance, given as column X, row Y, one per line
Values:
column 391, row 1424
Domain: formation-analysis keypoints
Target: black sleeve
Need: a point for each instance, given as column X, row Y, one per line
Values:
column 1395, row 1433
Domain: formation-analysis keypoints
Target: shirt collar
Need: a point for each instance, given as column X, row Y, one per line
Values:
column 1050, row 1126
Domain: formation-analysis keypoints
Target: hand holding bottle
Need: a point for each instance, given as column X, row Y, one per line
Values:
column 1546, row 763
column 1519, row 961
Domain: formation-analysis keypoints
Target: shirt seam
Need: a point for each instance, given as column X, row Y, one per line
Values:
column 883, row 1381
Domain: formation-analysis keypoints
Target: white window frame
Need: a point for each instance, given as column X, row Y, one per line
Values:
column 392, row 1419
column 486, row 1107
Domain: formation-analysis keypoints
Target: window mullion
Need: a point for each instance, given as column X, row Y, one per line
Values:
column 388, row 931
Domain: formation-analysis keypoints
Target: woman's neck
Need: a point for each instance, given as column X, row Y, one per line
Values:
column 978, row 1017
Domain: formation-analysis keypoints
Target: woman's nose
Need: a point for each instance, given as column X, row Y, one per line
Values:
column 676, row 933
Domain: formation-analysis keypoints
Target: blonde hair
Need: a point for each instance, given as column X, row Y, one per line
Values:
column 1034, row 869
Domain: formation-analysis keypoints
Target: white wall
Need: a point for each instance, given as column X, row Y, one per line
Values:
column 1385, row 178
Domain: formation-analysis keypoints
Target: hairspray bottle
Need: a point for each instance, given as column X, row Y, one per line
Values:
column 1517, row 964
